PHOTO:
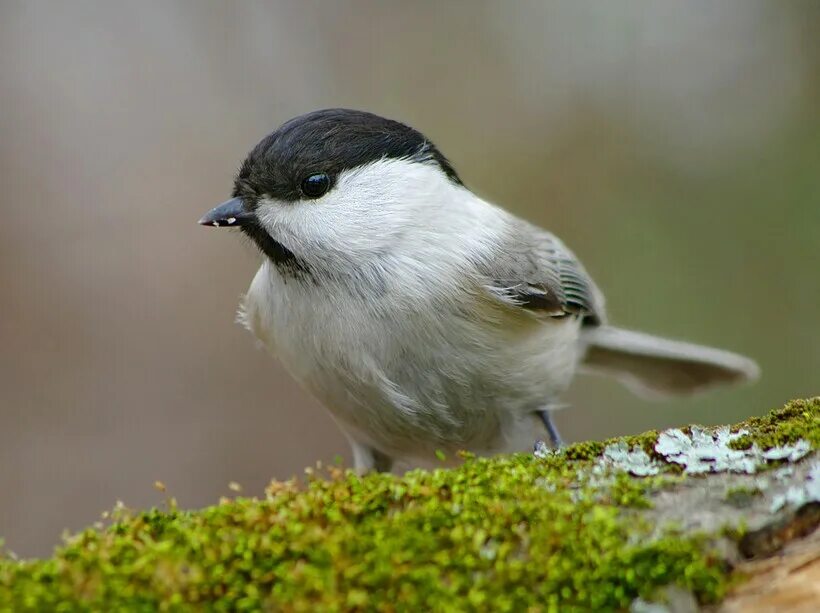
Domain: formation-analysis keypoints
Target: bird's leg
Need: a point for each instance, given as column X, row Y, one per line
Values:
column 382, row 463
column 366, row 459
column 552, row 431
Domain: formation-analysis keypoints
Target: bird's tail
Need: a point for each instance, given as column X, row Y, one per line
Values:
column 654, row 366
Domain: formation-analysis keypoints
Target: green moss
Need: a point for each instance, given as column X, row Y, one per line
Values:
column 586, row 450
column 742, row 496
column 512, row 532
column 627, row 491
column 799, row 419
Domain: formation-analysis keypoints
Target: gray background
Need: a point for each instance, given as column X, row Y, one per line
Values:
column 675, row 146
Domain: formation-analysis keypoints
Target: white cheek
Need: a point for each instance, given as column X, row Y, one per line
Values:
column 377, row 207
column 363, row 210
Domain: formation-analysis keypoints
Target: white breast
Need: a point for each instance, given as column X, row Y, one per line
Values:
column 446, row 374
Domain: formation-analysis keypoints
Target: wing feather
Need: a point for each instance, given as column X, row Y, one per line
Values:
column 534, row 270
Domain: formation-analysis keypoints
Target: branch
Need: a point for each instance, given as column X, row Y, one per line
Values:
column 696, row 517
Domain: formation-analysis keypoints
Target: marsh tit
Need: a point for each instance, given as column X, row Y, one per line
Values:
column 422, row 316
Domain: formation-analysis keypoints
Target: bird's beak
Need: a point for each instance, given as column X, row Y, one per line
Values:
column 229, row 214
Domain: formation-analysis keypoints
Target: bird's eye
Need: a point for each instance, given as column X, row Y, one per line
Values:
column 315, row 186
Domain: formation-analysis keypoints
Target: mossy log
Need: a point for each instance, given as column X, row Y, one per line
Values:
column 686, row 519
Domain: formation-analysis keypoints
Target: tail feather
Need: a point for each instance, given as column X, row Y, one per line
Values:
column 654, row 366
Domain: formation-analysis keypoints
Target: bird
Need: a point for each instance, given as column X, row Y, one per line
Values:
column 424, row 318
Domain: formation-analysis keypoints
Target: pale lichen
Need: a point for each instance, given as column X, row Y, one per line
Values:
column 792, row 453
column 703, row 451
column 633, row 460
column 800, row 494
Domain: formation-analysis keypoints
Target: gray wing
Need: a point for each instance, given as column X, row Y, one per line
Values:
column 534, row 270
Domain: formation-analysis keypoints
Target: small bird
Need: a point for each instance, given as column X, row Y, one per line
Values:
column 424, row 318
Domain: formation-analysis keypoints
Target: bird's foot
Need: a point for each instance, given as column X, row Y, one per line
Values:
column 555, row 438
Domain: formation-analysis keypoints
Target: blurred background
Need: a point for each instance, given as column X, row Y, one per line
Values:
column 674, row 146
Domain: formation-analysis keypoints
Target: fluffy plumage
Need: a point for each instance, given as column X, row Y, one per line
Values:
column 420, row 315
